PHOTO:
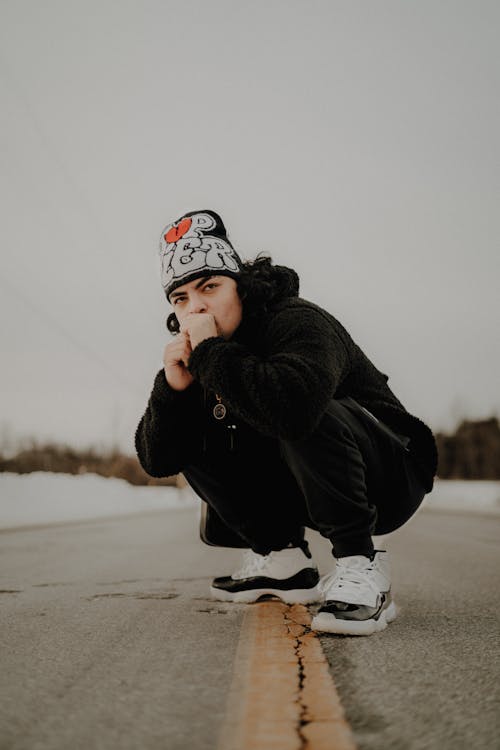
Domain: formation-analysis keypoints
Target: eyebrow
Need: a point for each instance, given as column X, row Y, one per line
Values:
column 197, row 286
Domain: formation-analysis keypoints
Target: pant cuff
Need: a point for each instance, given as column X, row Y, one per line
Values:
column 359, row 545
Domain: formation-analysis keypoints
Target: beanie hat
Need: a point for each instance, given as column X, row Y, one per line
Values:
column 194, row 246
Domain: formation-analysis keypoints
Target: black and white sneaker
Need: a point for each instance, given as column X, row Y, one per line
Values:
column 286, row 573
column 357, row 596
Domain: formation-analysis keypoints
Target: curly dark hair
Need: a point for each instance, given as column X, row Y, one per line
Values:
column 260, row 284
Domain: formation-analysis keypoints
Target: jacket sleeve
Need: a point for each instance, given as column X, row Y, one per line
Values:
column 285, row 392
column 170, row 431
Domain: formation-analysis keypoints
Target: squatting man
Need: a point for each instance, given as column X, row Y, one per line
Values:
column 279, row 421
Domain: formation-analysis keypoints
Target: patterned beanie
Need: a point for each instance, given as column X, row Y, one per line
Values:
column 194, row 246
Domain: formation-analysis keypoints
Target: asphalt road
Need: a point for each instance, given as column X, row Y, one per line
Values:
column 430, row 681
column 108, row 639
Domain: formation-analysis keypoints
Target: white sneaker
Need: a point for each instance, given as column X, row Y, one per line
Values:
column 357, row 596
column 285, row 573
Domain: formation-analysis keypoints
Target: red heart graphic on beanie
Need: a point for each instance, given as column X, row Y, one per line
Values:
column 176, row 232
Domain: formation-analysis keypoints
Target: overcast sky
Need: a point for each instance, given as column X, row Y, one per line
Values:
column 356, row 142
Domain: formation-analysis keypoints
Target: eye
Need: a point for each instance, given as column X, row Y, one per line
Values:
column 212, row 284
column 178, row 299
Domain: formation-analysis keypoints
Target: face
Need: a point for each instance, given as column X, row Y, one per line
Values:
column 216, row 295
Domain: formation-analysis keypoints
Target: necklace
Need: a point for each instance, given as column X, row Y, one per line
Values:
column 219, row 410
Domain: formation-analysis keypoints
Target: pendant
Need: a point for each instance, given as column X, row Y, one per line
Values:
column 219, row 410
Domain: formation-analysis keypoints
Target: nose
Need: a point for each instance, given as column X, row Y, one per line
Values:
column 196, row 304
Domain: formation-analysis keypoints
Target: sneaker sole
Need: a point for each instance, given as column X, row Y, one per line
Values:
column 293, row 596
column 328, row 623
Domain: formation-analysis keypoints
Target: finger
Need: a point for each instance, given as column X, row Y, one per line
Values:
column 187, row 343
column 182, row 351
column 176, row 352
column 180, row 342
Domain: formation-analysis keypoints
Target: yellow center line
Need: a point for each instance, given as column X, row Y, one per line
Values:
column 282, row 695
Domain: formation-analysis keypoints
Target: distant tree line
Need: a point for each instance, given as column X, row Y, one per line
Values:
column 66, row 460
column 471, row 452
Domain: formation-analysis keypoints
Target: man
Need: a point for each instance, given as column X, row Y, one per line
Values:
column 279, row 421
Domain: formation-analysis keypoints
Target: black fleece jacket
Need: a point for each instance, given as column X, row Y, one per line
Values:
column 276, row 374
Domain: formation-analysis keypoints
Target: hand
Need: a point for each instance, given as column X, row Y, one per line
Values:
column 198, row 327
column 175, row 359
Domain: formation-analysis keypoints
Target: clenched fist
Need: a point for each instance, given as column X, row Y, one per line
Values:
column 175, row 359
column 199, row 326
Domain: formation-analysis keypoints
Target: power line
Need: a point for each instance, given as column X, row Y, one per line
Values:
column 82, row 202
column 63, row 331
column 54, row 155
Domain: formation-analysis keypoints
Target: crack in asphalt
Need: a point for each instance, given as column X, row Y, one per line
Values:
column 135, row 595
column 303, row 719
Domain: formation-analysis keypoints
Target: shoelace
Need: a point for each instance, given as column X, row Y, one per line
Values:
column 345, row 580
column 253, row 564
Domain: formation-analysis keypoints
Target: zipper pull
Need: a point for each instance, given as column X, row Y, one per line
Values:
column 232, row 431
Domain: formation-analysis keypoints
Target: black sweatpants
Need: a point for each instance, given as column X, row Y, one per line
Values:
column 350, row 479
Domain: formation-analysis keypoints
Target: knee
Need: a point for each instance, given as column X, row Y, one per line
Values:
column 333, row 424
column 330, row 436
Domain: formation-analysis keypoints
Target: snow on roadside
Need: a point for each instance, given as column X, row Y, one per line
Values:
column 460, row 495
column 43, row 497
